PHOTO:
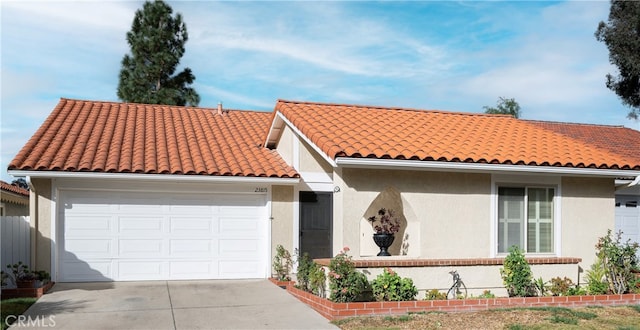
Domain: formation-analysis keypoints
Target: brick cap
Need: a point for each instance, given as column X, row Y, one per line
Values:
column 395, row 262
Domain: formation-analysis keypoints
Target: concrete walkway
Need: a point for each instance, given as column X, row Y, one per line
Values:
column 221, row 304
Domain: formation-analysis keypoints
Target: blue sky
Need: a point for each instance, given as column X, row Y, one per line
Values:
column 446, row 55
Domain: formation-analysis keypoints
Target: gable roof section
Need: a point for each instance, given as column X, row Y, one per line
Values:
column 9, row 188
column 354, row 131
column 108, row 137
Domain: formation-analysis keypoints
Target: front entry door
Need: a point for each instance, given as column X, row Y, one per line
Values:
column 316, row 212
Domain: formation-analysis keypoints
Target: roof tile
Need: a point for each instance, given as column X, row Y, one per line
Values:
column 89, row 136
column 397, row 133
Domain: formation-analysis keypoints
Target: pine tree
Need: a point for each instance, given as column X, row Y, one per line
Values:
column 621, row 34
column 157, row 43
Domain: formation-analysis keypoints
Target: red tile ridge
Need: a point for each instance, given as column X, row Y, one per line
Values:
column 393, row 108
column 4, row 186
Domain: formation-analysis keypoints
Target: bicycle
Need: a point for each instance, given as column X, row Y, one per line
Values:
column 454, row 291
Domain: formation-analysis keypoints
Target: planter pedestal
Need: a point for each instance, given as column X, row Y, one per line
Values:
column 383, row 241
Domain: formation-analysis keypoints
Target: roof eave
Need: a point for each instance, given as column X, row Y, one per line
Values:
column 479, row 167
column 158, row 177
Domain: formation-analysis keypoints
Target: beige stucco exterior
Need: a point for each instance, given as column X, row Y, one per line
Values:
column 281, row 218
column 41, row 233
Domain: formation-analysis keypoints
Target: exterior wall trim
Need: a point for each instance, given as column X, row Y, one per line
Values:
column 480, row 167
column 156, row 177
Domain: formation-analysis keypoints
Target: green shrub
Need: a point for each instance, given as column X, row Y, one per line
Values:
column 486, row 294
column 516, row 274
column 305, row 265
column 345, row 283
column 618, row 260
column 435, row 295
column 282, row 264
column 541, row 286
column 389, row 286
column 317, row 280
column 596, row 278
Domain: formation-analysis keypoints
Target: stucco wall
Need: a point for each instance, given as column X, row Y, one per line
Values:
column 282, row 218
column 41, row 236
column 447, row 215
column 285, row 145
column 587, row 212
column 311, row 161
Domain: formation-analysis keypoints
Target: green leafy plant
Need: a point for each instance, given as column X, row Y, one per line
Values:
column 4, row 277
column 282, row 264
column 486, row 294
column 541, row 286
column 345, row 283
column 20, row 272
column 618, row 259
column 560, row 286
column 305, row 265
column 596, row 278
column 389, row 286
column 317, row 280
column 576, row 291
column 434, row 294
column 516, row 274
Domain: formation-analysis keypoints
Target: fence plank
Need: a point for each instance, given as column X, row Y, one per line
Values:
column 15, row 241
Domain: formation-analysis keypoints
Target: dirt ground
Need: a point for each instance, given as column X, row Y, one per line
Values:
column 600, row 318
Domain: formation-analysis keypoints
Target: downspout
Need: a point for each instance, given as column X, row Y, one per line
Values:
column 33, row 222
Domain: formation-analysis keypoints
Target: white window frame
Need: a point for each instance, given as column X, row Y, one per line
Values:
column 527, row 181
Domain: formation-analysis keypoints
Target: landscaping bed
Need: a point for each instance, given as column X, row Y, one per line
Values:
column 26, row 292
column 619, row 317
column 335, row 311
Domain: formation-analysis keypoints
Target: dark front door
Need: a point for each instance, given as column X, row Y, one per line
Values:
column 315, row 224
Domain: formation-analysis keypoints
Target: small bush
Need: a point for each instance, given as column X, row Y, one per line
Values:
column 305, row 265
column 282, row 264
column 486, row 294
column 345, row 283
column 317, row 280
column 389, row 286
column 435, row 295
column 618, row 260
column 516, row 274
column 560, row 286
column 596, row 278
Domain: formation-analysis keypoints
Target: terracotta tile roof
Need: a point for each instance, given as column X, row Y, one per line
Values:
column 88, row 136
column 4, row 186
column 396, row 133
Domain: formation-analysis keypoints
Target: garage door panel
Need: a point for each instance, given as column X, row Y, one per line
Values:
column 151, row 236
column 79, row 271
column 242, row 226
column 196, row 269
column 238, row 248
column 83, row 226
column 140, row 248
column 140, row 225
column 141, row 270
column 238, row 268
column 194, row 248
column 195, row 226
column 88, row 248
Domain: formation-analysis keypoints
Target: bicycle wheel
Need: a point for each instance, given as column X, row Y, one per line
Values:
column 451, row 294
column 462, row 289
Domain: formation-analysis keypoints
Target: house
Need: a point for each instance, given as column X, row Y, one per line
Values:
column 14, row 200
column 145, row 192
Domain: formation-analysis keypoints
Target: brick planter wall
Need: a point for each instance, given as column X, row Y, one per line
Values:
column 334, row 311
column 26, row 292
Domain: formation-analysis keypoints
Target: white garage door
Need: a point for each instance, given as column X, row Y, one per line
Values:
column 628, row 217
column 120, row 236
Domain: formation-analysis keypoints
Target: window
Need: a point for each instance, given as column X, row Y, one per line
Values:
column 525, row 218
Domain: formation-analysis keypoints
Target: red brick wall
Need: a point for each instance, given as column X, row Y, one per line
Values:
column 334, row 311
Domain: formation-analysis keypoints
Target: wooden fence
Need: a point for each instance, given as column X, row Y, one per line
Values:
column 14, row 240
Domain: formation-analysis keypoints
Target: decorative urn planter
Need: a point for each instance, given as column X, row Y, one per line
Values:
column 383, row 241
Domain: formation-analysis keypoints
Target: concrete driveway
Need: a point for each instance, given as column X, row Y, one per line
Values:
column 214, row 304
